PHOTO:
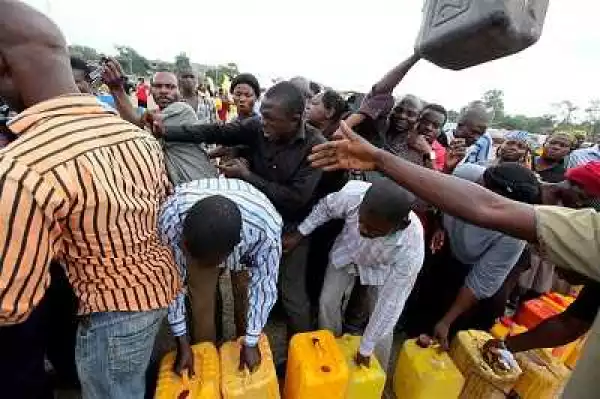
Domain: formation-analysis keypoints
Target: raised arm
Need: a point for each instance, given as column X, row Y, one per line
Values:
column 113, row 77
column 390, row 80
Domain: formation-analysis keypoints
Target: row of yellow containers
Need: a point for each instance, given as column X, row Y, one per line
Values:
column 318, row 364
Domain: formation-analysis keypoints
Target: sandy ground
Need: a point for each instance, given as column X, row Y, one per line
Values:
column 275, row 330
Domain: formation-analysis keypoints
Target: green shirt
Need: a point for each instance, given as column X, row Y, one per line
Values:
column 571, row 239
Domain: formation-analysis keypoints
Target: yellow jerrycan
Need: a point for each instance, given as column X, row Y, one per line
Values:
column 241, row 384
column 363, row 382
column 203, row 385
column 426, row 373
column 316, row 367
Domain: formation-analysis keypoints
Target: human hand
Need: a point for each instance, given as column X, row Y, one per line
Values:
column 362, row 360
column 225, row 153
column 347, row 151
column 440, row 334
column 249, row 357
column 291, row 241
column 156, row 122
column 184, row 360
column 418, row 143
column 234, row 168
column 455, row 154
column 112, row 74
column 437, row 240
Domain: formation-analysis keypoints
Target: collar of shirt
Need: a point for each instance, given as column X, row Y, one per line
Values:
column 70, row 104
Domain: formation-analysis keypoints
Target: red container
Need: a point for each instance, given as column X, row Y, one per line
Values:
column 533, row 312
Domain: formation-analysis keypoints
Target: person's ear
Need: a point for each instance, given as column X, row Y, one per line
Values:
column 329, row 113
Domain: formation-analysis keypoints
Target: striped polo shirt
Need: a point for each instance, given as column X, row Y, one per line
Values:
column 82, row 186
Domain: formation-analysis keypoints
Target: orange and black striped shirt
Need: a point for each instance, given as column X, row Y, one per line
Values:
column 82, row 186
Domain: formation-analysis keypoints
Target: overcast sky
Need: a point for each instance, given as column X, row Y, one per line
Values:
column 347, row 44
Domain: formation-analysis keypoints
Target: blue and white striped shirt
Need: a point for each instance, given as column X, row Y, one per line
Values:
column 259, row 249
column 481, row 151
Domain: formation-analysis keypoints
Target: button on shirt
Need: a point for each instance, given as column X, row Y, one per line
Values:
column 82, row 186
column 392, row 262
column 259, row 248
column 279, row 169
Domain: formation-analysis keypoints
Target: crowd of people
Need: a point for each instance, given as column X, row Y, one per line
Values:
column 116, row 221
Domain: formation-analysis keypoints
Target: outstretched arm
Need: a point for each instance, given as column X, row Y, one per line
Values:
column 455, row 196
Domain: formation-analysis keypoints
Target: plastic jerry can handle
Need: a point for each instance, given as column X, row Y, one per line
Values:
column 320, row 354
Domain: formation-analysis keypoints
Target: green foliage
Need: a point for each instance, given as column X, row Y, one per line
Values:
column 84, row 52
column 218, row 73
column 131, row 61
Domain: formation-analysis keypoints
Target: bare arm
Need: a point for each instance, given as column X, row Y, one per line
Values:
column 461, row 198
column 452, row 195
column 388, row 83
column 112, row 76
column 125, row 108
column 553, row 332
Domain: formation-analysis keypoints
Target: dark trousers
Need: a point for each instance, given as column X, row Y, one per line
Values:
column 49, row 331
column 294, row 296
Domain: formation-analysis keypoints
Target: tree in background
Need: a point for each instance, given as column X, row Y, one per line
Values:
column 566, row 110
column 182, row 62
column 84, row 52
column 593, row 119
column 132, row 62
column 218, row 73
column 494, row 99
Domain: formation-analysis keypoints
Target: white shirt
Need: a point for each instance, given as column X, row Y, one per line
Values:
column 392, row 262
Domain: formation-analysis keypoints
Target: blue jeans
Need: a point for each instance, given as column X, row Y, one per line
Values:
column 113, row 351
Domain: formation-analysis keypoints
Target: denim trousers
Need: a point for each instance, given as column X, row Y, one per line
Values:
column 113, row 351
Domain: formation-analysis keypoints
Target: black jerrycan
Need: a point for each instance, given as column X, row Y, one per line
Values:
column 458, row 34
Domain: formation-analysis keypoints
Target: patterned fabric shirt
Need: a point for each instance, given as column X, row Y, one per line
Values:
column 392, row 262
column 82, row 186
column 480, row 152
column 259, row 248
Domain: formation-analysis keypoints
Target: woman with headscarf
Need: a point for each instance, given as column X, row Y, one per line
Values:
column 515, row 148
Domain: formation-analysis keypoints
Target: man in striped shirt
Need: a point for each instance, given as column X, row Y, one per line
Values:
column 81, row 186
column 382, row 243
column 207, row 222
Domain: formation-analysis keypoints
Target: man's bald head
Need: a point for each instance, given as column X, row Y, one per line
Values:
column 165, row 90
column 34, row 62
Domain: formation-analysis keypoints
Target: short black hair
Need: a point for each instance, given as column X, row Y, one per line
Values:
column 388, row 201
column 436, row 108
column 333, row 100
column 289, row 95
column 80, row 65
column 515, row 181
column 246, row 78
column 314, row 87
column 212, row 227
